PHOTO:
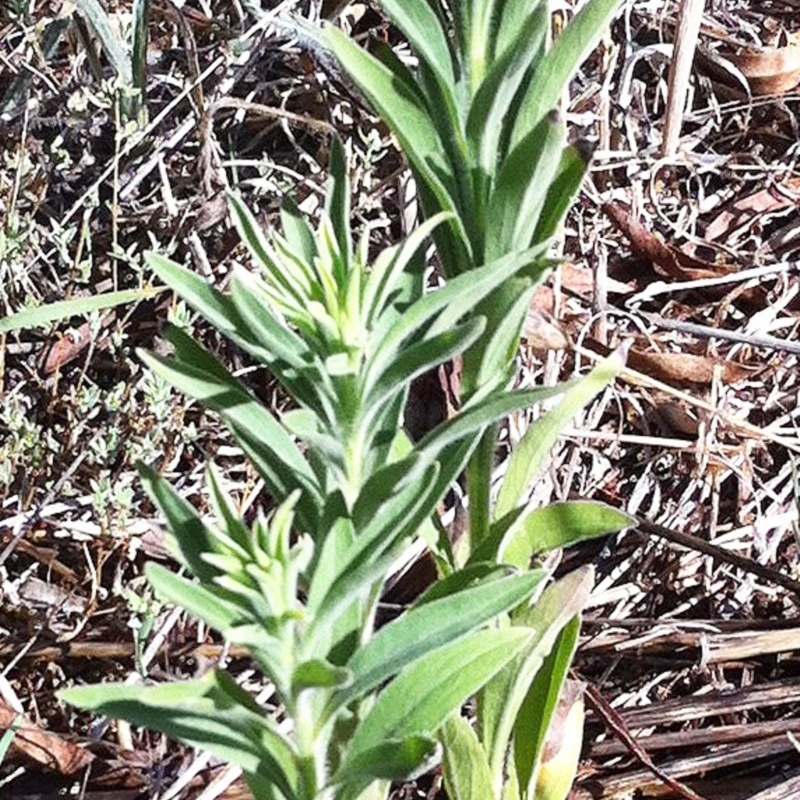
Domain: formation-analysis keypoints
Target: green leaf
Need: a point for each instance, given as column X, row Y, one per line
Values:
column 197, row 373
column 464, row 766
column 502, row 699
column 530, row 730
column 521, row 188
column 400, row 108
column 559, row 525
column 191, row 535
column 372, row 553
column 393, row 760
column 460, row 579
column 247, row 320
column 418, row 358
column 433, row 625
column 438, row 311
column 319, row 674
column 297, row 231
column 141, row 9
column 490, row 115
column 563, row 189
column 116, row 49
column 530, row 454
column 512, row 21
column 429, row 690
column 337, row 208
column 226, row 514
column 64, row 309
column 422, row 28
column 205, row 604
column 212, row 713
column 291, row 277
column 331, row 557
column 267, row 337
column 495, row 351
column 557, row 66
column 381, row 287
column 479, row 414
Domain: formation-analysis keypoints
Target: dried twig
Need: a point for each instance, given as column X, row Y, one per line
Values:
column 720, row 554
column 616, row 724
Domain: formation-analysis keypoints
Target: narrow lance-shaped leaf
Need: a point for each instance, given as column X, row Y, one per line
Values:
column 503, row 698
column 426, row 693
column 491, row 111
column 292, row 277
column 337, row 208
column 297, row 232
column 420, row 357
column 401, row 110
column 563, row 189
column 191, row 535
column 520, row 189
column 392, row 760
column 199, row 375
column 480, row 414
column 438, row 311
column 536, row 714
column 433, row 625
column 212, row 713
column 64, row 309
column 479, row 41
column 372, row 553
column 381, row 284
column 116, row 50
column 205, row 604
column 559, row 525
column 529, row 455
column 464, row 766
column 557, row 66
column 512, row 21
column 422, row 28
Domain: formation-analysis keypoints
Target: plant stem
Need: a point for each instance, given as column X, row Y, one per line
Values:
column 311, row 772
column 479, row 479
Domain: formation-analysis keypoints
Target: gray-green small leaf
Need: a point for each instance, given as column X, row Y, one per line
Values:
column 464, row 765
column 428, row 691
column 559, row 525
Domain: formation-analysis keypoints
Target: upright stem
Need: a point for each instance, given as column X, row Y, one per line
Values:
column 479, row 480
column 311, row 771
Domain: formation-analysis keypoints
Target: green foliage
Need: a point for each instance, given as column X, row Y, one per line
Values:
column 363, row 706
column 125, row 51
column 38, row 316
column 476, row 122
column 299, row 588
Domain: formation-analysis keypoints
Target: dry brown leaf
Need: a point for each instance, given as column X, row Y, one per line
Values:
column 672, row 262
column 43, row 747
column 542, row 333
column 680, row 368
column 769, row 70
column 686, row 368
column 577, row 281
column 742, row 210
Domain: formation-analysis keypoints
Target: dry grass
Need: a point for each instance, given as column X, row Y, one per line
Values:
column 691, row 636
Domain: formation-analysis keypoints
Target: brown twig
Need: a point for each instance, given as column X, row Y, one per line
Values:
column 701, row 546
column 616, row 725
column 707, row 332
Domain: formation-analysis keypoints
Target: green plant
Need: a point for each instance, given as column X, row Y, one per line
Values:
column 475, row 120
column 361, row 705
column 126, row 51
